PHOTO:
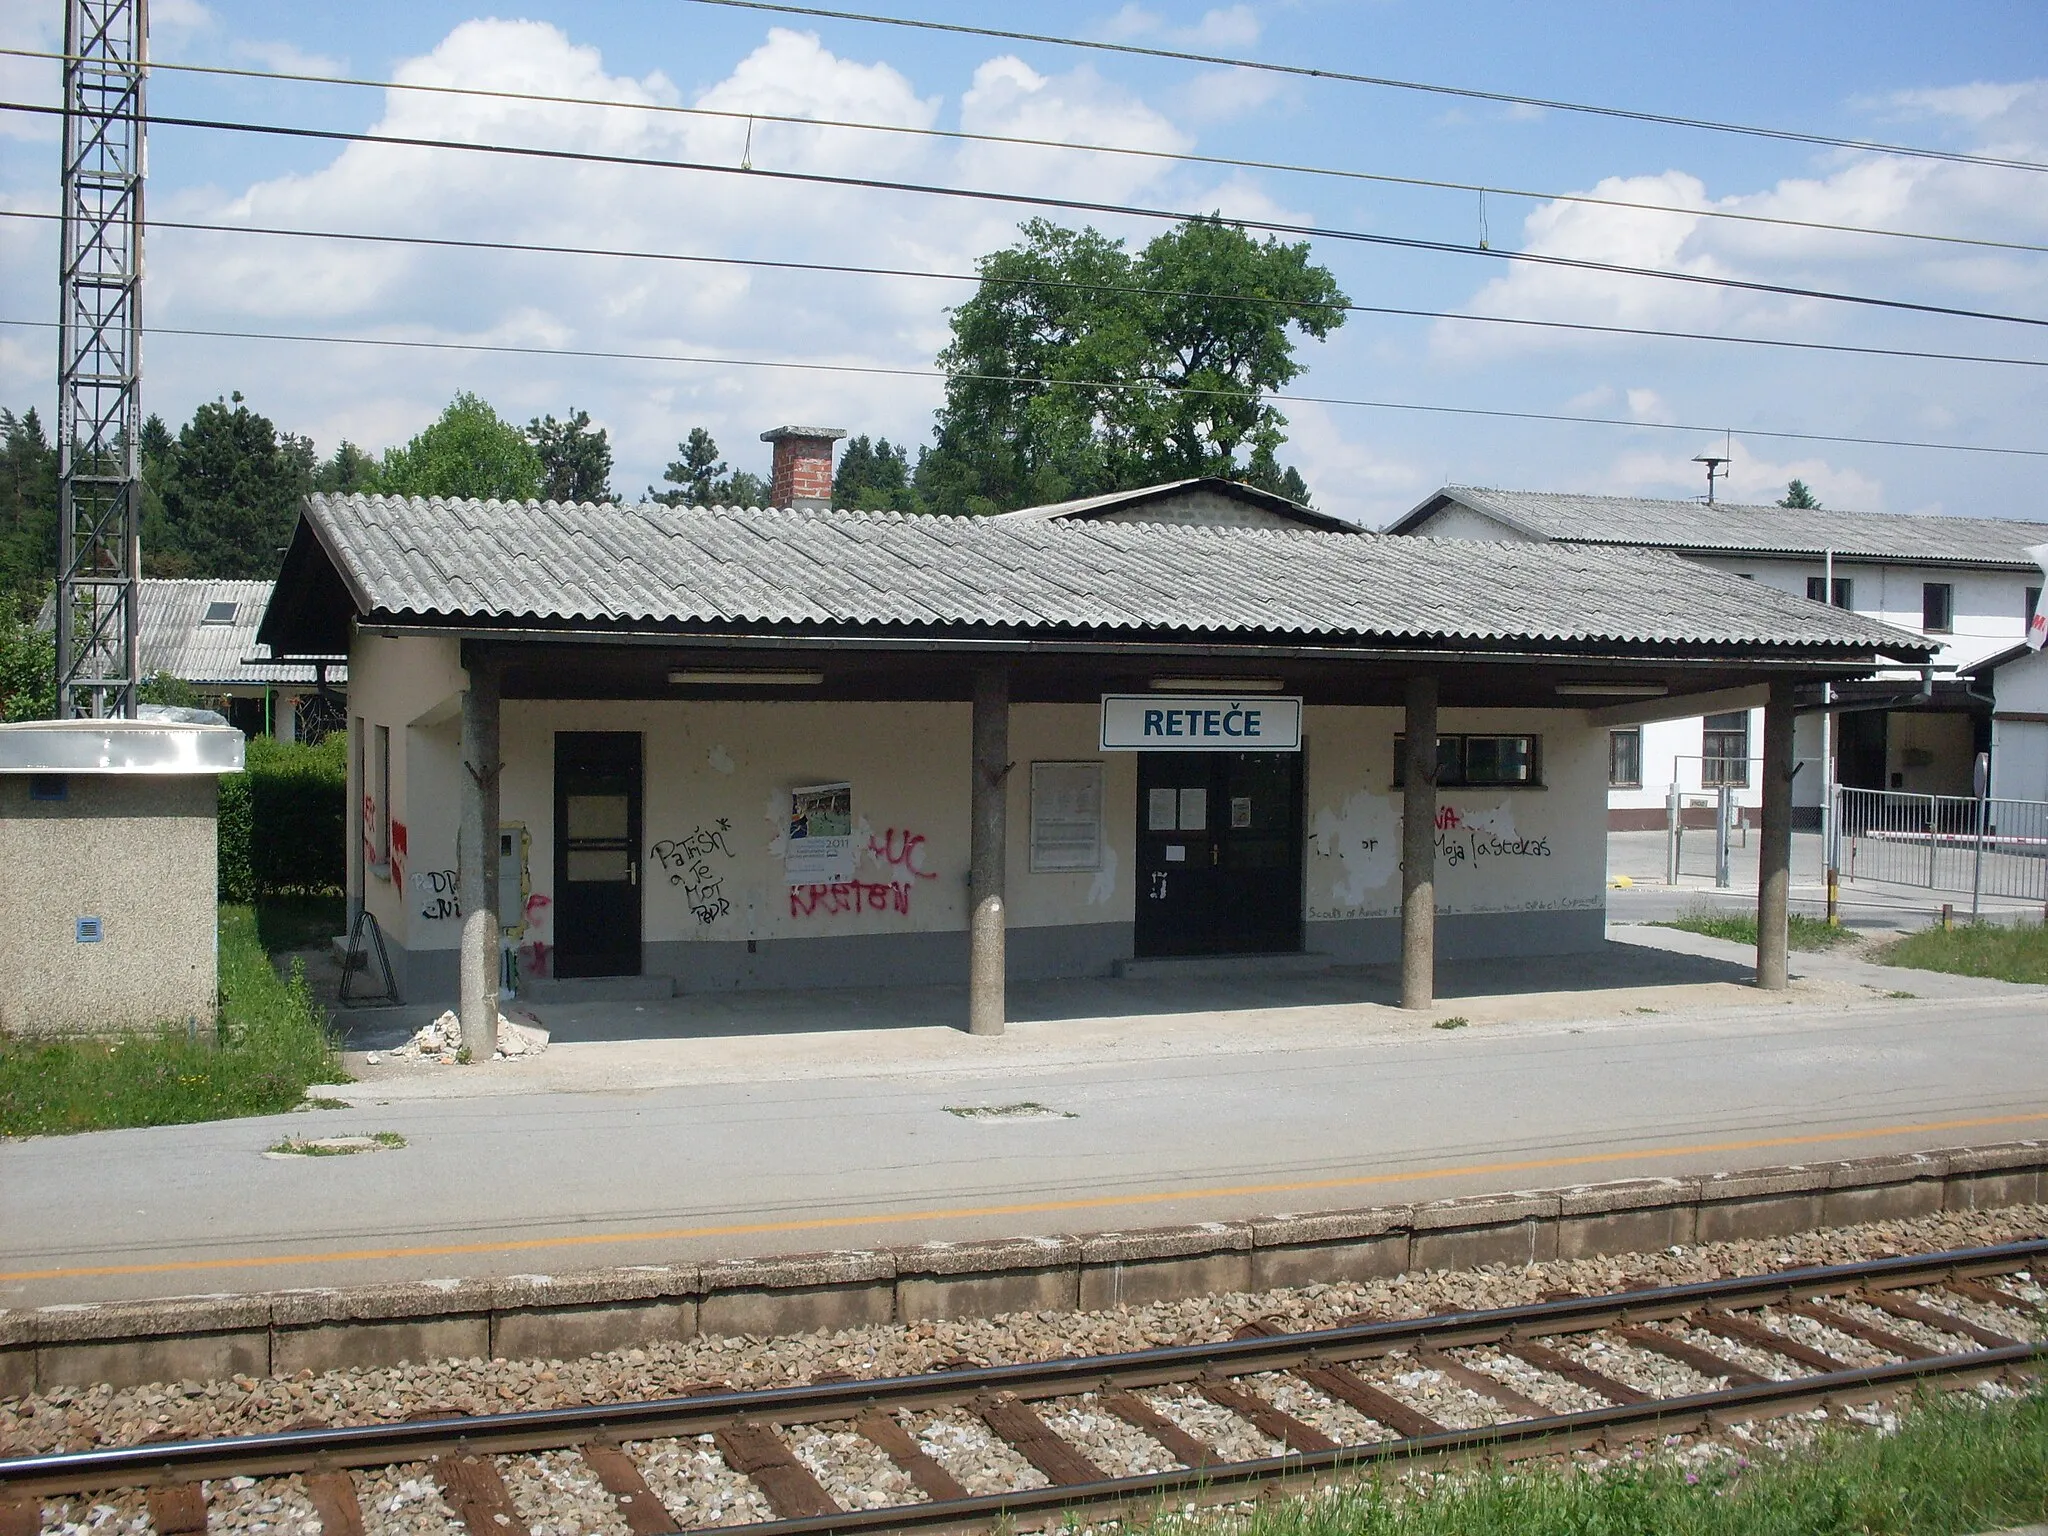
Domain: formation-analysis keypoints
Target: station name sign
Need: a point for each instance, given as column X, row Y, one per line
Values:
column 1180, row 722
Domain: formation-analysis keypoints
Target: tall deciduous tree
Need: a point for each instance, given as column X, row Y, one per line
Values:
column 471, row 451
column 1078, row 367
column 575, row 460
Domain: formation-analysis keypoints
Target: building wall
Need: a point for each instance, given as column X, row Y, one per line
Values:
column 1521, row 871
column 138, row 852
column 1201, row 509
column 2019, row 729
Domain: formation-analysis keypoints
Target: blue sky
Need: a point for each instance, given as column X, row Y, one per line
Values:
column 1969, row 77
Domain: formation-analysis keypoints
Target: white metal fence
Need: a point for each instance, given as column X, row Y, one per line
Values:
column 1943, row 842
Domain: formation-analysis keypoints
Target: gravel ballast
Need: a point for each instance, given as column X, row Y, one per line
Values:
column 557, row 1494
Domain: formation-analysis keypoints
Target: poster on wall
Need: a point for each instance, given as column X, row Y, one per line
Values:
column 820, row 846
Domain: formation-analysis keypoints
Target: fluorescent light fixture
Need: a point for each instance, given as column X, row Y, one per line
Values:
column 1612, row 690
column 1218, row 684
column 749, row 679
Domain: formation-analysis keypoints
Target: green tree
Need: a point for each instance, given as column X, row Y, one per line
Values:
column 873, row 474
column 28, row 514
column 469, row 452
column 349, row 470
column 228, row 493
column 575, row 462
column 28, row 671
column 1797, row 495
column 1079, row 368
column 701, row 478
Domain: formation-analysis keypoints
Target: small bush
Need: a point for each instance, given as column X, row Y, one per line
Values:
column 284, row 820
column 273, row 1045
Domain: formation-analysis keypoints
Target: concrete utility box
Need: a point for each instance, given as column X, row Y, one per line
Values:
column 108, row 900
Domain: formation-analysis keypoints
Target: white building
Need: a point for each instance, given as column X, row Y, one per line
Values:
column 1966, row 583
column 717, row 748
column 2018, row 679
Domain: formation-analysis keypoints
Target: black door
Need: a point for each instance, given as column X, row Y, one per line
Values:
column 1860, row 749
column 1219, row 853
column 597, row 853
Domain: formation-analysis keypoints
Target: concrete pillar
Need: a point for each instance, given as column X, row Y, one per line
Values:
column 1774, row 856
column 476, row 857
column 358, row 733
column 987, row 838
column 1418, row 847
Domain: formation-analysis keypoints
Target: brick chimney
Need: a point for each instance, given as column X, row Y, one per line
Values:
column 802, row 475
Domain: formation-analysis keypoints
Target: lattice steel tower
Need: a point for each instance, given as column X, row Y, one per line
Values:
column 99, row 359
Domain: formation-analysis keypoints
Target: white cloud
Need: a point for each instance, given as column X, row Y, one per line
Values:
column 38, row 29
column 1347, row 477
column 1225, row 27
column 287, row 58
column 1752, row 478
column 1648, row 405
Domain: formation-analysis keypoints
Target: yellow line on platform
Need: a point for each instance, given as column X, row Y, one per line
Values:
column 1030, row 1208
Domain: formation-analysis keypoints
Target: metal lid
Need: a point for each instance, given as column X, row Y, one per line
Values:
column 119, row 746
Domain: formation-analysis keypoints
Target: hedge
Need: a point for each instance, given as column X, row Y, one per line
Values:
column 283, row 821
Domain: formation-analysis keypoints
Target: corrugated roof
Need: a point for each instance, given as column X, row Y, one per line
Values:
column 671, row 566
column 176, row 639
column 1739, row 529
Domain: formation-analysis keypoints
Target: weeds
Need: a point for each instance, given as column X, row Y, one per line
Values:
column 1455, row 1021
column 1803, row 932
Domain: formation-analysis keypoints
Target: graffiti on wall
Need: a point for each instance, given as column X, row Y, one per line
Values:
column 534, row 951
column 899, row 848
column 1472, row 838
column 691, row 863
column 399, row 852
column 434, row 894
column 850, row 896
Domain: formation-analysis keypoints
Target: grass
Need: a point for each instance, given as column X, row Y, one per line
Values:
column 1952, row 1467
column 273, row 1045
column 2015, row 953
column 1740, row 928
column 1455, row 1021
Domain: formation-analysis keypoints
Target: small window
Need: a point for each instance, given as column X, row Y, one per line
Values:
column 380, row 810
column 1817, row 588
column 1937, row 607
column 1476, row 761
column 2033, row 603
column 1625, row 759
column 1724, row 751
column 221, row 613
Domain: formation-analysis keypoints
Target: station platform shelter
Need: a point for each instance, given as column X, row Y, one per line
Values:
column 717, row 749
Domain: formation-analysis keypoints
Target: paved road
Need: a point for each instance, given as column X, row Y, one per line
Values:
column 849, row 1142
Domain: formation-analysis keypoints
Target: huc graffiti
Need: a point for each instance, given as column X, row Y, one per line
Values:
column 903, row 849
column 688, row 862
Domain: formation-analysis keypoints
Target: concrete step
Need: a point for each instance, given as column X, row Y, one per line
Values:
column 596, row 989
column 1223, row 967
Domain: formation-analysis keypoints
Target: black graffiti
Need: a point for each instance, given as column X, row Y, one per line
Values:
column 688, row 864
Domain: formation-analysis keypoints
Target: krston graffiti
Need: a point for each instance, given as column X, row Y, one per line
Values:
column 689, row 863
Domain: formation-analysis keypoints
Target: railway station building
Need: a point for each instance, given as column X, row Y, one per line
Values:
column 704, row 748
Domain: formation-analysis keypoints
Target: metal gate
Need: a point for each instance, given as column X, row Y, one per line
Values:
column 1943, row 842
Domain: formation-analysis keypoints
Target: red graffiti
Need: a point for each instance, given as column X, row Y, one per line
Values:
column 1447, row 818
column 901, row 846
column 850, row 896
column 369, row 830
column 398, row 851
column 537, row 909
column 533, row 958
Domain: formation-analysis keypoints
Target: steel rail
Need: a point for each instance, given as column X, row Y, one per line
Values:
column 326, row 1448
column 381, row 1444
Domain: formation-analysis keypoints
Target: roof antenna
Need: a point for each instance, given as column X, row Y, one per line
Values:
column 1717, row 464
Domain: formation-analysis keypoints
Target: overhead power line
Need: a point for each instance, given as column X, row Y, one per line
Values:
column 1178, row 157
column 1468, row 93
column 1035, row 200
column 880, row 370
column 450, row 242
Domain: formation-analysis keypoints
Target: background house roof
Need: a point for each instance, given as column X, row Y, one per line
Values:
column 1090, row 507
column 1738, row 529
column 177, row 637
column 544, row 565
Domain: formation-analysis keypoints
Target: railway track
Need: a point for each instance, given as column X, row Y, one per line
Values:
column 1203, row 1423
